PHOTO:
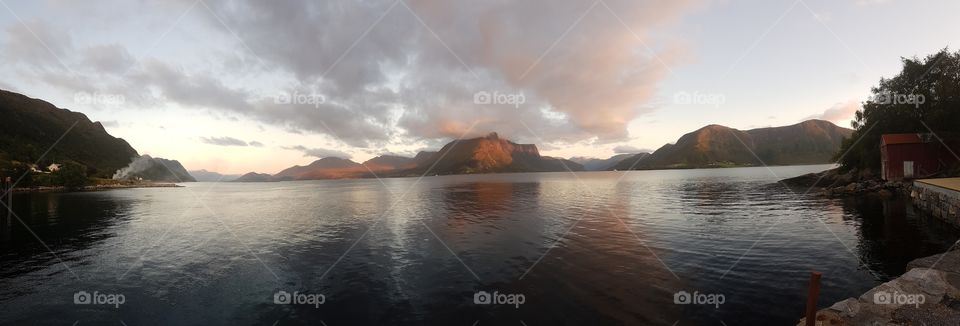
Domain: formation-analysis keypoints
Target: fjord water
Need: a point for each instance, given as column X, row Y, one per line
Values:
column 601, row 248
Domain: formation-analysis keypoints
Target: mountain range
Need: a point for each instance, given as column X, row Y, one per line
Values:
column 808, row 142
column 31, row 126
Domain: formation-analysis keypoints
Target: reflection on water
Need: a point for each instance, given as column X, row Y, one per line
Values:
column 595, row 248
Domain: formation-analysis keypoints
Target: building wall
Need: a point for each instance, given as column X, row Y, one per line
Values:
column 925, row 158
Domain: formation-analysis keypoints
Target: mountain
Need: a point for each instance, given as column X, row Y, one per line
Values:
column 325, row 168
column 488, row 154
column 255, row 177
column 390, row 163
column 808, row 142
column 210, row 176
column 154, row 169
column 29, row 127
column 598, row 164
column 423, row 157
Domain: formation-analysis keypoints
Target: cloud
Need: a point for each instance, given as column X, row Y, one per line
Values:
column 391, row 71
column 255, row 144
column 319, row 152
column 627, row 149
column 224, row 141
column 112, row 58
column 110, row 124
column 870, row 2
column 839, row 113
column 385, row 74
column 37, row 44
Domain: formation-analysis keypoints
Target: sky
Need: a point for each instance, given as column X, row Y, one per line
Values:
column 236, row 86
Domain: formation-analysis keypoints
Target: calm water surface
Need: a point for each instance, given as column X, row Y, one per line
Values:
column 601, row 248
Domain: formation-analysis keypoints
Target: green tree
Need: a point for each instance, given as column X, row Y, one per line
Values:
column 72, row 176
column 926, row 93
column 17, row 170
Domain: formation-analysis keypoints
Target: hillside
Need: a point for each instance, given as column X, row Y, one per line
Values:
column 30, row 127
column 390, row 163
column 808, row 142
column 489, row 154
column 154, row 169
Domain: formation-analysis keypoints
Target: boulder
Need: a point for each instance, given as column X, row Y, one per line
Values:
column 884, row 193
column 852, row 188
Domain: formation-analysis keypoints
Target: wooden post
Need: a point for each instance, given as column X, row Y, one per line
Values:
column 8, row 188
column 812, row 294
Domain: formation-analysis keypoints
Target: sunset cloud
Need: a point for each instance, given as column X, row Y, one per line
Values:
column 840, row 113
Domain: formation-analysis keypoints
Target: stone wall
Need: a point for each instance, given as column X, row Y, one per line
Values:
column 937, row 201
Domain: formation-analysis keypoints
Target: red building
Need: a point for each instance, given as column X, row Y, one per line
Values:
column 911, row 156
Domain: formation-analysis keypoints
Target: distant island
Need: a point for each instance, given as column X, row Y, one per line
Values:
column 808, row 142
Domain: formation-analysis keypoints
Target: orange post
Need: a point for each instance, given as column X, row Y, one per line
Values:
column 812, row 294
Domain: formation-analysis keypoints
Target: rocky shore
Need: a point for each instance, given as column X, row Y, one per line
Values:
column 927, row 294
column 833, row 183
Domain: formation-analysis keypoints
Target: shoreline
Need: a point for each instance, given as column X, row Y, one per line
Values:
column 102, row 187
